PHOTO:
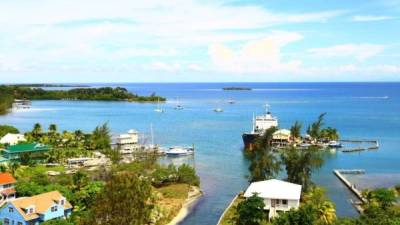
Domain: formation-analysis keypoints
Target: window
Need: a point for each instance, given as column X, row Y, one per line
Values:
column 6, row 221
column 284, row 202
column 31, row 210
column 54, row 208
column 62, row 201
column 10, row 210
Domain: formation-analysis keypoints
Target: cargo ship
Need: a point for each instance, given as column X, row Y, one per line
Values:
column 261, row 123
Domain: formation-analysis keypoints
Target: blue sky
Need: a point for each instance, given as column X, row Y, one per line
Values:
column 199, row 41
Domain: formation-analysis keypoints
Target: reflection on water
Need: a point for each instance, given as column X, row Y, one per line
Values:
column 374, row 180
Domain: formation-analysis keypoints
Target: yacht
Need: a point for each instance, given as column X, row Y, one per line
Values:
column 178, row 105
column 218, row 110
column 334, row 144
column 158, row 109
column 179, row 151
column 261, row 123
column 231, row 101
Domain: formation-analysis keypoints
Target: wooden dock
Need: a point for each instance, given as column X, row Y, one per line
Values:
column 352, row 187
column 374, row 144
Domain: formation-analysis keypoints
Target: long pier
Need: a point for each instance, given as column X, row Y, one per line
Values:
column 349, row 185
column 374, row 144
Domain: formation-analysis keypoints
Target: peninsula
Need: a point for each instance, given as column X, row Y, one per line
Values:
column 9, row 93
column 236, row 89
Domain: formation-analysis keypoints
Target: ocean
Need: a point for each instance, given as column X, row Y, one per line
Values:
column 357, row 110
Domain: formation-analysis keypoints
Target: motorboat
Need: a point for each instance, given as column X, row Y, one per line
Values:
column 179, row 151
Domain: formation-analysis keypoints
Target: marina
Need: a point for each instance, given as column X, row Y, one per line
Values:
column 217, row 137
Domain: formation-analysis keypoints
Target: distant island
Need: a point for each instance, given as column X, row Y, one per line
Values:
column 9, row 93
column 236, row 89
column 51, row 85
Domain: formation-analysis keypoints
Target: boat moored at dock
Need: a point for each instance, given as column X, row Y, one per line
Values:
column 260, row 125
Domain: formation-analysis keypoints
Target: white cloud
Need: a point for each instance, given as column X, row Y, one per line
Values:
column 76, row 34
column 367, row 18
column 255, row 56
column 358, row 51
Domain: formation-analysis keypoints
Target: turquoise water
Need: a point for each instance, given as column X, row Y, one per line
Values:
column 358, row 110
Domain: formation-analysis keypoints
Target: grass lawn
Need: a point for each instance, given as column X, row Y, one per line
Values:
column 229, row 217
column 170, row 200
column 28, row 172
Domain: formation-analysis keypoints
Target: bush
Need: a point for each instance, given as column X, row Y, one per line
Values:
column 251, row 211
column 187, row 175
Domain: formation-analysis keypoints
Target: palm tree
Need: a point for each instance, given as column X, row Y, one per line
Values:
column 314, row 130
column 327, row 212
column 53, row 128
column 101, row 138
column 295, row 130
column 37, row 130
column 300, row 164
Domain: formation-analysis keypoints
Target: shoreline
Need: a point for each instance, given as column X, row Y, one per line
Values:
column 193, row 196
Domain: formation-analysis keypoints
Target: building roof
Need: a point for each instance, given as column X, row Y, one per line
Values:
column 42, row 204
column 275, row 189
column 282, row 132
column 27, row 148
column 8, row 191
column 6, row 178
column 12, row 138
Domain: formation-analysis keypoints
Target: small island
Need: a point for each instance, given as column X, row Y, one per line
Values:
column 236, row 89
column 10, row 93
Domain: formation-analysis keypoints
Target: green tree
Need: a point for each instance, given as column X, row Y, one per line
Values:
column 80, row 179
column 300, row 163
column 101, row 138
column 37, row 130
column 263, row 162
column 250, row 211
column 13, row 167
column 5, row 129
column 314, row 130
column 295, row 130
column 53, row 128
column 304, row 215
column 58, row 222
column 187, row 174
column 126, row 199
column 330, row 133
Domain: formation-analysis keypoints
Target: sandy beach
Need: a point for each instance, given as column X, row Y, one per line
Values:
column 194, row 194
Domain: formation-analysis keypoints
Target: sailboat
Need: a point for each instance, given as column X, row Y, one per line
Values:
column 218, row 110
column 158, row 109
column 178, row 105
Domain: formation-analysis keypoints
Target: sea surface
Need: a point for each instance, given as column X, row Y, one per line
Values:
column 357, row 110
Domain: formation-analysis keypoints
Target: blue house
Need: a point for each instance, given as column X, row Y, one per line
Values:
column 36, row 209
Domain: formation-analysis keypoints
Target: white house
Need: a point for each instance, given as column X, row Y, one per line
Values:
column 7, row 190
column 278, row 195
column 127, row 142
column 281, row 137
column 12, row 139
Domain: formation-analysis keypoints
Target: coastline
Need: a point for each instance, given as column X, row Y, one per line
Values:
column 193, row 196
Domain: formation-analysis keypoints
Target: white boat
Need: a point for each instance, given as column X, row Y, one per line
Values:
column 334, row 144
column 178, row 105
column 218, row 110
column 158, row 109
column 179, row 151
column 231, row 101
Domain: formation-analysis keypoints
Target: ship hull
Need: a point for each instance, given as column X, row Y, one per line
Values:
column 249, row 140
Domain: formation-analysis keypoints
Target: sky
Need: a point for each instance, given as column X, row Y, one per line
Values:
column 75, row 41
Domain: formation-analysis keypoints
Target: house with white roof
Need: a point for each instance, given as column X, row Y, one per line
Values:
column 278, row 195
column 12, row 139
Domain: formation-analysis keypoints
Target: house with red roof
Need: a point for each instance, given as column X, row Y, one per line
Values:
column 7, row 189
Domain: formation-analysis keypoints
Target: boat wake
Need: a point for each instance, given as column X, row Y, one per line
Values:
column 372, row 97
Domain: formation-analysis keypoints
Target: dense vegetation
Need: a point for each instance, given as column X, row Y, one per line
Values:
column 236, row 89
column 5, row 129
column 10, row 92
column 316, row 209
column 141, row 192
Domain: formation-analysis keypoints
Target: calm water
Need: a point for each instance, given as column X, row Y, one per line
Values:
column 358, row 110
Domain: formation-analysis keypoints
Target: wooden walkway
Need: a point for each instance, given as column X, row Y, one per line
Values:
column 373, row 144
column 350, row 185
